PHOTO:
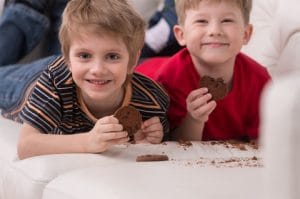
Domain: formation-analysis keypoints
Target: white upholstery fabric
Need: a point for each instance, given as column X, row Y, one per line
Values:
column 188, row 174
column 156, row 180
column 15, row 182
column 276, row 24
column 9, row 135
column 8, row 154
column 281, row 137
column 289, row 58
column 27, row 178
column 33, row 174
column 260, row 46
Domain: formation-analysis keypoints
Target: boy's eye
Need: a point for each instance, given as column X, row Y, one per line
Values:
column 112, row 56
column 85, row 55
column 227, row 20
column 202, row 21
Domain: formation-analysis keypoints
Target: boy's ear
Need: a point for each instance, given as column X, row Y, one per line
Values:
column 68, row 63
column 179, row 34
column 248, row 33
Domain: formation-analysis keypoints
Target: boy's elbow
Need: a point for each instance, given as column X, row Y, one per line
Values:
column 26, row 144
column 21, row 150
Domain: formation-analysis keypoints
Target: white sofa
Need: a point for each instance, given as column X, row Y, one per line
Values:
column 281, row 137
column 275, row 43
column 276, row 35
column 115, row 174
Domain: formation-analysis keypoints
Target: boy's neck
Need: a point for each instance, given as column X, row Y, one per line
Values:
column 99, row 110
column 224, row 70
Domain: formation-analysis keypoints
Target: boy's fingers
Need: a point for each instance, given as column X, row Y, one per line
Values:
column 107, row 128
column 197, row 103
column 118, row 141
column 153, row 139
column 114, row 135
column 206, row 110
column 108, row 120
column 196, row 94
column 150, row 122
column 151, row 128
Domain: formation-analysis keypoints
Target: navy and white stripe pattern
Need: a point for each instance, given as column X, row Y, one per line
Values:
column 53, row 106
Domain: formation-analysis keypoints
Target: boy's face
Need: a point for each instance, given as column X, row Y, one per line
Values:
column 99, row 65
column 214, row 32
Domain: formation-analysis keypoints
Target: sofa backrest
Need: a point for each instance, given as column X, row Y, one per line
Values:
column 276, row 33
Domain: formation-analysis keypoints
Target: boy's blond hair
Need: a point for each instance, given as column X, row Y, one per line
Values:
column 114, row 17
column 183, row 5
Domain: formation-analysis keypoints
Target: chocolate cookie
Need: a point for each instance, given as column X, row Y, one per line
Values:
column 130, row 118
column 216, row 87
column 151, row 157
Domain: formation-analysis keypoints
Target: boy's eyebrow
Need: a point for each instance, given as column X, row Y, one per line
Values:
column 80, row 49
column 87, row 49
column 205, row 14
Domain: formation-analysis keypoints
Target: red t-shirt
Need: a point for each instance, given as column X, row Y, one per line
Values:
column 235, row 117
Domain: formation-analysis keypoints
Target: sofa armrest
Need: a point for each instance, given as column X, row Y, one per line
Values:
column 280, row 129
column 27, row 178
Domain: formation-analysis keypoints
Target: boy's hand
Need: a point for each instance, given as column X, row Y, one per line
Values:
column 198, row 104
column 106, row 133
column 150, row 132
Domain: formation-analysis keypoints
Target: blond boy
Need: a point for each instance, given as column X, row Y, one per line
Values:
column 213, row 32
column 70, row 109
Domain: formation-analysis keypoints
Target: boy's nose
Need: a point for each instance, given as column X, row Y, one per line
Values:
column 214, row 29
column 98, row 68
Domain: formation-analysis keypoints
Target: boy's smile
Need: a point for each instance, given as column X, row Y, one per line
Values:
column 214, row 44
column 99, row 83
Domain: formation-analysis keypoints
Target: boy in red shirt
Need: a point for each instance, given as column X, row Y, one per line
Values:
column 213, row 32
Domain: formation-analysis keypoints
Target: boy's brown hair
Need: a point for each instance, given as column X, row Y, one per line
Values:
column 183, row 5
column 114, row 17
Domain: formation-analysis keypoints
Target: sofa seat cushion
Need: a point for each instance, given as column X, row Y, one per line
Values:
column 156, row 180
column 191, row 172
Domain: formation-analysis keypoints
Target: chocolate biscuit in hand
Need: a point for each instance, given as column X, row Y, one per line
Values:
column 130, row 118
column 216, row 87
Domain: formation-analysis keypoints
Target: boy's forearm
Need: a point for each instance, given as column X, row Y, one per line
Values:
column 189, row 129
column 36, row 143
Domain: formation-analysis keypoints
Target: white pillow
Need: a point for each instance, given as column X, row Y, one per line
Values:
column 1, row 6
column 145, row 7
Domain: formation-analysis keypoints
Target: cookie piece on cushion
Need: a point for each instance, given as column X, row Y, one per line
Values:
column 152, row 157
column 216, row 87
column 130, row 118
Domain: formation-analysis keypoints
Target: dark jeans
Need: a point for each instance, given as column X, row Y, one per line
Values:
column 22, row 29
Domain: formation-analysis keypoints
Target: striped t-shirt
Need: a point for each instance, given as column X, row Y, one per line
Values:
column 55, row 105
